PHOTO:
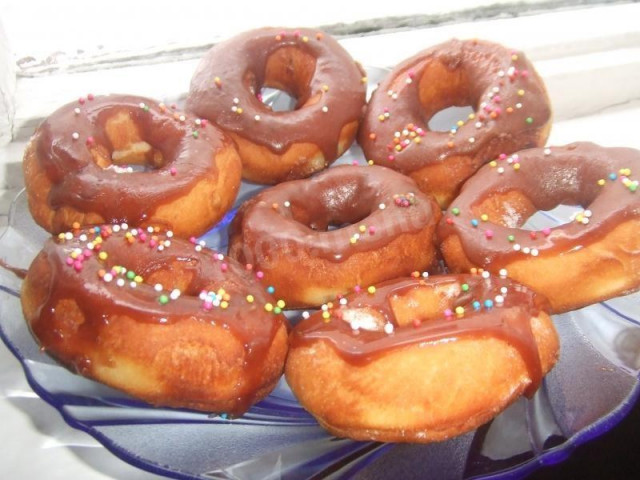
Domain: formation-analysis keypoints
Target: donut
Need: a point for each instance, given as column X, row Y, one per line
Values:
column 328, row 86
column 510, row 103
column 346, row 227
column 121, row 158
column 161, row 318
column 421, row 360
column 593, row 257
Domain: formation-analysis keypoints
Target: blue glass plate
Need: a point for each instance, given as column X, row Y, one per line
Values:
column 593, row 386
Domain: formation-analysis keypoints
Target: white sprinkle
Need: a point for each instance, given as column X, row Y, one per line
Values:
column 500, row 170
column 478, row 124
column 516, row 247
column 388, row 328
column 547, row 151
column 394, row 96
column 526, row 250
column 124, row 226
column 198, row 248
column 236, row 100
column 107, row 277
column 157, row 287
column 325, row 109
column 149, row 229
column 409, row 80
column 83, row 238
column 256, row 118
column 91, row 245
column 503, row 290
column 175, row 293
column 167, row 243
column 234, row 109
column 425, row 274
column 343, row 301
column 518, row 105
column 75, row 135
column 160, row 248
column 68, row 236
column 169, row 234
column 503, row 273
column 182, row 118
column 382, row 206
column 472, row 139
column 501, row 73
column 76, row 111
column 287, row 203
column 324, row 307
column 499, row 299
column 305, row 314
column 142, row 105
column 587, row 213
column 219, row 256
column 116, row 228
column 534, row 252
column 133, row 284
column 486, row 274
column 120, row 282
column 134, row 232
column 496, row 89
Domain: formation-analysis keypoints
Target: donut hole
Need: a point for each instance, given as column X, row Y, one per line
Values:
column 447, row 94
column 287, row 79
column 514, row 209
column 123, row 146
column 425, row 303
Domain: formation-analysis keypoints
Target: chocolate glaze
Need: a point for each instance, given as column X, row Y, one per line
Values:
column 510, row 322
column 567, row 175
column 240, row 65
column 123, row 197
column 345, row 196
column 495, row 78
column 101, row 301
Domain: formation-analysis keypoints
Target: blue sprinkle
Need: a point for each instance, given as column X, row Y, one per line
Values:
column 613, row 176
column 488, row 303
column 476, row 305
column 270, row 289
column 474, row 222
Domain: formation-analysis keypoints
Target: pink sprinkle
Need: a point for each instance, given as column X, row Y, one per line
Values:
column 81, row 100
column 355, row 162
column 69, row 261
column 372, row 230
column 533, row 235
column 90, row 141
column 497, row 98
column 411, row 74
column 142, row 236
column 357, row 289
column 488, row 234
column 152, row 243
column 86, row 252
column 207, row 305
column 248, row 267
column 173, row 171
column 260, row 274
column 502, row 156
column 524, row 73
column 546, row 231
column 391, row 158
column 224, row 267
column 193, row 239
column 90, row 96
column 448, row 312
column 296, row 33
column 203, row 122
column 77, row 265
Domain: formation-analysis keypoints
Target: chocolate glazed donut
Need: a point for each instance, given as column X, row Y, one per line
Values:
column 328, row 85
column 591, row 258
column 344, row 228
column 160, row 318
column 79, row 167
column 421, row 360
column 510, row 103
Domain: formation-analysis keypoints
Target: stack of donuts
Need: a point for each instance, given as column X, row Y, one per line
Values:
column 427, row 297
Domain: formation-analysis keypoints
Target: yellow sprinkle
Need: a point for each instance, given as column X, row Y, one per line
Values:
column 472, row 116
column 61, row 236
column 239, row 110
column 98, row 240
column 516, row 166
column 224, row 304
column 326, row 315
column 625, row 171
column 381, row 117
column 601, row 182
column 362, row 228
column 521, row 92
column 353, row 240
column 370, row 162
column 398, row 147
column 226, row 297
column 460, row 123
column 493, row 163
column 365, row 79
column 250, row 298
column 280, row 303
column 484, row 217
column 459, row 311
column 325, row 88
column 137, row 279
column 371, row 289
column 417, row 140
column 221, row 291
column 102, row 255
column 305, row 39
column 268, row 307
column 514, row 57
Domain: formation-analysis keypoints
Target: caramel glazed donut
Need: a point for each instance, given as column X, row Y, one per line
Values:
column 594, row 257
column 475, row 342
column 328, row 86
column 117, row 158
column 512, row 112
column 161, row 318
column 384, row 228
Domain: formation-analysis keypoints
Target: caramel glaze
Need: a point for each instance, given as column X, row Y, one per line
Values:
column 101, row 301
column 123, row 197
column 509, row 322
column 567, row 175
column 483, row 75
column 345, row 196
column 337, row 84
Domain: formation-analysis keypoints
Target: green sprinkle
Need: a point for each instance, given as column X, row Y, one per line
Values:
column 131, row 274
column 163, row 299
column 529, row 120
column 455, row 211
column 465, row 287
column 277, row 310
column 511, row 238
